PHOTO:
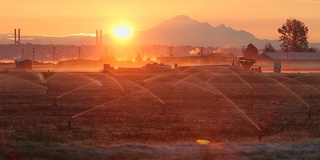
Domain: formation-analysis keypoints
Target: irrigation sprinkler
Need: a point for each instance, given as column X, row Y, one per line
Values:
column 260, row 135
column 121, row 87
column 298, row 97
column 309, row 112
column 55, row 100
column 69, row 124
column 242, row 112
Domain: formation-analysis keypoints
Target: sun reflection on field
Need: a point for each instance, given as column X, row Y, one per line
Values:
column 203, row 141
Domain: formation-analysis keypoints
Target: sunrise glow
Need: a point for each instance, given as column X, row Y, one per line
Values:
column 122, row 32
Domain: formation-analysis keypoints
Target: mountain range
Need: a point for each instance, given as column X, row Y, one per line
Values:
column 182, row 30
column 179, row 30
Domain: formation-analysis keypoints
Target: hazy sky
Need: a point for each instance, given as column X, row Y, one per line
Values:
column 62, row 17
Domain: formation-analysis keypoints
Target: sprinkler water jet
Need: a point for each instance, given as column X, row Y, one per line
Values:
column 260, row 135
column 55, row 100
column 69, row 124
column 309, row 112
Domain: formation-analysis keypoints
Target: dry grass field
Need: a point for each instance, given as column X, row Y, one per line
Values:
column 162, row 115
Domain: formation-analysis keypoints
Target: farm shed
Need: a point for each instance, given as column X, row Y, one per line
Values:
column 23, row 64
column 289, row 56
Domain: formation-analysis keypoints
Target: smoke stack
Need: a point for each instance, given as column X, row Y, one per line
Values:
column 97, row 37
column 100, row 36
column 15, row 36
column 19, row 36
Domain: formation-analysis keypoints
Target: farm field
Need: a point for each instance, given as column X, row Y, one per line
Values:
column 179, row 113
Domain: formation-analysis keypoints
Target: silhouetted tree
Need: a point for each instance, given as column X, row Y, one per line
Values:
column 294, row 36
column 251, row 52
column 269, row 48
column 312, row 49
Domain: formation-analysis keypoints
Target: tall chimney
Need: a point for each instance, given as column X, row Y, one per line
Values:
column 15, row 36
column 100, row 36
column 19, row 36
column 97, row 37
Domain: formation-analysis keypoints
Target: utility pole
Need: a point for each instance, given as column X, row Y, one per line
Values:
column 142, row 54
column 243, row 48
column 22, row 52
column 170, row 51
column 79, row 51
column 106, row 55
column 54, row 54
column 33, row 54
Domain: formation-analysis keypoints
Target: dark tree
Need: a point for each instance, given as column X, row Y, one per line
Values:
column 269, row 48
column 294, row 36
column 251, row 52
column 312, row 50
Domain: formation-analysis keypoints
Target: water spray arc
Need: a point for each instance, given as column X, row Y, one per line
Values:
column 242, row 112
column 299, row 98
column 66, row 93
column 167, row 74
column 216, row 74
column 21, row 79
column 160, row 100
column 217, row 92
column 293, row 93
column 106, row 103
column 183, row 79
column 251, row 89
column 118, row 83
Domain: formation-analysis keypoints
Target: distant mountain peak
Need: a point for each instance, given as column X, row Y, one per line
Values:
column 206, row 23
column 222, row 26
column 177, row 23
column 181, row 18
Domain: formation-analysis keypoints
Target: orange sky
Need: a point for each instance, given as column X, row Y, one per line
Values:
column 63, row 17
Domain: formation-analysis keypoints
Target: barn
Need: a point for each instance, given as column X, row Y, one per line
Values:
column 23, row 64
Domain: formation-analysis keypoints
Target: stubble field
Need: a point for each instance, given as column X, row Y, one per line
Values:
column 178, row 107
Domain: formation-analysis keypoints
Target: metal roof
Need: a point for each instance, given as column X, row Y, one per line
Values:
column 21, row 60
column 293, row 55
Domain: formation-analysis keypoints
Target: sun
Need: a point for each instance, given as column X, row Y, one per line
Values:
column 122, row 31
